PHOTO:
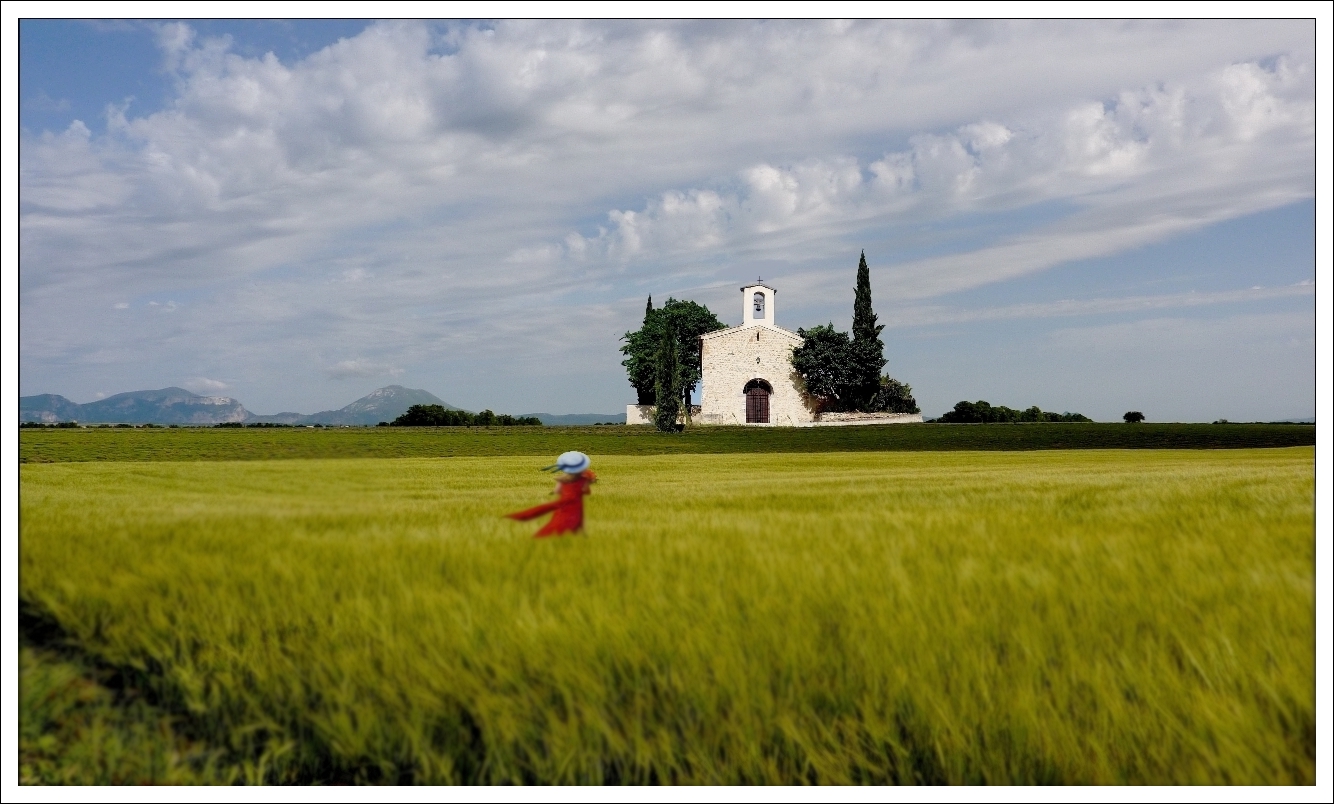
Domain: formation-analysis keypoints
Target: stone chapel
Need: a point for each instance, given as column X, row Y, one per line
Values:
column 748, row 375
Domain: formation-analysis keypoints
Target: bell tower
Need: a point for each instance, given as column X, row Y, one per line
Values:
column 757, row 304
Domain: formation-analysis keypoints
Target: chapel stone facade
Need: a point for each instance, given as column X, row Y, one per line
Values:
column 747, row 370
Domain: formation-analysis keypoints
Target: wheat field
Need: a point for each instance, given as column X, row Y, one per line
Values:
column 1070, row 617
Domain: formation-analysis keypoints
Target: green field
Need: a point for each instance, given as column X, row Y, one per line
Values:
column 224, row 444
column 1098, row 616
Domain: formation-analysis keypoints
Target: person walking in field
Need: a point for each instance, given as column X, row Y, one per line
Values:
column 572, row 483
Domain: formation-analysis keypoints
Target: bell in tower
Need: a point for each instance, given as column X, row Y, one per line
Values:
column 758, row 304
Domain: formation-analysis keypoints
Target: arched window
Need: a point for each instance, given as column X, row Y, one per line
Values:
column 757, row 401
column 759, row 305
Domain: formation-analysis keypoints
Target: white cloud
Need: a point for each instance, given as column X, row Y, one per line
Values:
column 205, row 386
column 347, row 369
column 927, row 316
column 43, row 102
column 1153, row 164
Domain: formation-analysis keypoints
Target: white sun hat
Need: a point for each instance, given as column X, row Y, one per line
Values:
column 570, row 462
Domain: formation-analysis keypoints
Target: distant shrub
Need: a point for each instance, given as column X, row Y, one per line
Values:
column 1133, row 417
column 228, row 424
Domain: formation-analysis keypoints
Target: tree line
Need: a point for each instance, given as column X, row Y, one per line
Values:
column 440, row 416
column 981, row 412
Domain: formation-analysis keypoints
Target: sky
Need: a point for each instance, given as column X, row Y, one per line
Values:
column 1090, row 216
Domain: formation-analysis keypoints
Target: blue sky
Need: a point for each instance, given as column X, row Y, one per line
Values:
column 1083, row 215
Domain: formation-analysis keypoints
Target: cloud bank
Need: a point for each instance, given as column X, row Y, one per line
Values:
column 433, row 198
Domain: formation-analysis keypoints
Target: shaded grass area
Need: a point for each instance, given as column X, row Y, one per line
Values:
column 208, row 444
column 1055, row 617
column 80, row 724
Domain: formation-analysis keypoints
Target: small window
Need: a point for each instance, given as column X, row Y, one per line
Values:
column 759, row 305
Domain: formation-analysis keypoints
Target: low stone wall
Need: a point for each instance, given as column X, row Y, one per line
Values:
column 846, row 419
column 643, row 414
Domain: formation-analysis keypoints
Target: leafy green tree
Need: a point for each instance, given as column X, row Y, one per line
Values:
column 642, row 347
column 431, row 416
column 667, row 389
column 894, row 397
column 868, row 351
column 1133, row 417
column 826, row 365
column 640, row 350
column 966, row 412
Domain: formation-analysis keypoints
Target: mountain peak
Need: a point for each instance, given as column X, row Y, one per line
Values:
column 381, row 405
column 388, row 403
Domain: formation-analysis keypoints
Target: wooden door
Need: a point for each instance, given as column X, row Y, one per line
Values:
column 757, row 406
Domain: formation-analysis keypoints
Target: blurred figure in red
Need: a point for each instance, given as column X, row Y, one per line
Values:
column 572, row 482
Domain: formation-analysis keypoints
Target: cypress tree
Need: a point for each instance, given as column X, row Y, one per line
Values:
column 667, row 387
column 640, row 350
column 863, row 317
column 868, row 349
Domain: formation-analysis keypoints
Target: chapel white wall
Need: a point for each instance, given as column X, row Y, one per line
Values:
column 733, row 357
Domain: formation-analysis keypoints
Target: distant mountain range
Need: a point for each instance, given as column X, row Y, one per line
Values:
column 179, row 406
column 167, row 406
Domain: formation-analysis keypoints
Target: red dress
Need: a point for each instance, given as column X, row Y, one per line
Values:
column 569, row 507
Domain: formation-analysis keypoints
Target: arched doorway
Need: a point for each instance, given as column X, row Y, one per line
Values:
column 757, row 401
